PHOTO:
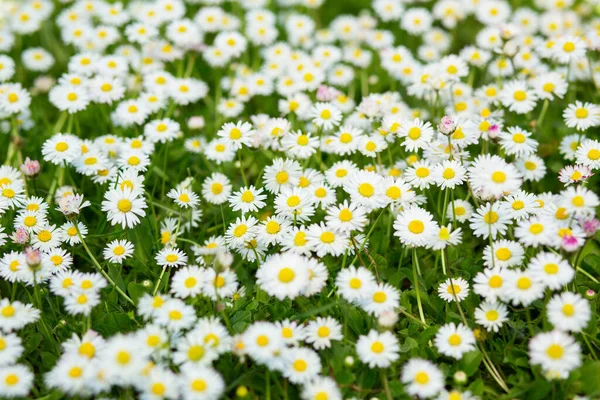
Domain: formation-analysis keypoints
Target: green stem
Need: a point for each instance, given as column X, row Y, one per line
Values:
column 99, row 268
column 416, row 283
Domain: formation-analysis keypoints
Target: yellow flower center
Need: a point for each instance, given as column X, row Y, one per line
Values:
column 555, row 351
column 520, row 95
column 415, row 226
column 524, row 283
column 377, row 347
column 491, row 315
column 366, row 189
column 286, row 275
column 195, row 352
column 327, row 237
column 454, row 340
column 124, row 205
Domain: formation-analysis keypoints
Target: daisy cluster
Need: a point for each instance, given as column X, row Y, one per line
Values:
column 288, row 199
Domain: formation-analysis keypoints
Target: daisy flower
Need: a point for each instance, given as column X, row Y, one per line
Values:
column 247, row 199
column 283, row 275
column 454, row 340
column 378, row 349
column 491, row 315
column 422, row 378
column 326, row 116
column 123, row 207
column 582, row 116
column 555, row 351
column 454, row 289
column 320, row 332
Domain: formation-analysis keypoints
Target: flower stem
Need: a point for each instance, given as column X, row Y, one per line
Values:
column 99, row 268
column 416, row 279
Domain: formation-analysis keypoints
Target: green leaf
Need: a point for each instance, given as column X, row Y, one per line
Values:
column 136, row 291
column 590, row 378
column 470, row 362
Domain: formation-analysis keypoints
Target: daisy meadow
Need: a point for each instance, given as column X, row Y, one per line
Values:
column 299, row 199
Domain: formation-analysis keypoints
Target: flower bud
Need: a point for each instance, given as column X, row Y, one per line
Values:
column 196, row 123
column 460, row 377
column 30, row 168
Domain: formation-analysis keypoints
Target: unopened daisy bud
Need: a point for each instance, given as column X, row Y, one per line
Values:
column 510, row 48
column 590, row 294
column 30, row 168
column 33, row 257
column 590, row 226
column 43, row 84
column 63, row 322
column 493, row 131
column 196, row 122
column 479, row 334
column 349, row 361
column 508, row 31
column 147, row 283
column 241, row 391
column 326, row 93
column 571, row 243
column 373, row 79
column 460, row 377
column 447, row 125
column 20, row 236
column 225, row 259
column 220, row 307
column 387, row 319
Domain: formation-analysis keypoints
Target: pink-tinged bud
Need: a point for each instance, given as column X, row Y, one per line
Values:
column 447, row 125
column 196, row 122
column 30, row 168
column 326, row 93
column 590, row 226
column 570, row 243
column 493, row 131
column 33, row 257
column 20, row 236
column 590, row 294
